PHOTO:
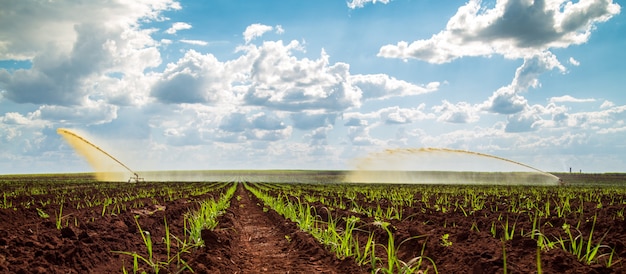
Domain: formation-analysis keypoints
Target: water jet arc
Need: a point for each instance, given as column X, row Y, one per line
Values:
column 490, row 156
column 444, row 166
column 67, row 133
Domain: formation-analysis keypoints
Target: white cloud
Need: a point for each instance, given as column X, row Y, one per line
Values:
column 14, row 118
column 280, row 81
column 570, row 99
column 522, row 122
column 459, row 113
column 513, row 29
column 360, row 136
column 195, row 78
column 526, row 75
column 294, row 93
column 354, row 4
column 178, row 26
column 312, row 120
column 243, row 127
column 612, row 130
column 279, row 29
column 92, row 113
column 35, row 26
column 318, row 137
column 607, row 104
column 382, row 86
column 507, row 99
column 574, row 62
column 397, row 115
column 592, row 120
column 464, row 138
column 267, row 121
column 255, row 30
column 355, row 122
column 194, row 42
column 82, row 70
column 389, row 115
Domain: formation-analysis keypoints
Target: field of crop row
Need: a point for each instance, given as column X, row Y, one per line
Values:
column 461, row 229
column 73, row 224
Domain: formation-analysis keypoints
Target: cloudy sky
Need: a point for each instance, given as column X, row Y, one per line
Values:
column 166, row 84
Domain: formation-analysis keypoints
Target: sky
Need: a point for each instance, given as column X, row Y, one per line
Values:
column 216, row 84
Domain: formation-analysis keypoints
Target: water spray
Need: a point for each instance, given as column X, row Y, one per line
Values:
column 70, row 136
column 445, row 166
column 485, row 155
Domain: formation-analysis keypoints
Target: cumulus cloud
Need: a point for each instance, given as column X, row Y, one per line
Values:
column 360, row 136
column 194, row 78
column 318, row 137
column 256, row 30
column 522, row 122
column 259, row 127
column 183, row 137
column 267, row 121
column 79, row 62
column 594, row 119
column 235, row 122
column 92, row 113
column 397, row 115
column 14, row 118
column 612, row 130
column 512, row 28
column 256, row 134
column 280, row 81
column 275, row 92
column 279, row 29
column 394, row 115
column 459, row 113
column 355, row 122
column 382, row 86
column 59, row 79
column 526, row 75
column 312, row 120
column 507, row 99
column 355, row 4
column 607, row 104
column 178, row 26
column 553, row 116
column 515, row 29
column 24, row 37
column 570, row 99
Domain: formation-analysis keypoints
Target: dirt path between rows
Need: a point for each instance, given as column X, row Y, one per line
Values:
column 250, row 239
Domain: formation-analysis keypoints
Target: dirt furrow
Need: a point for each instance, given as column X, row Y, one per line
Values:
column 250, row 239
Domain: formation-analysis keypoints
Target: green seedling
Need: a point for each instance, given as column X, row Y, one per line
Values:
column 42, row 213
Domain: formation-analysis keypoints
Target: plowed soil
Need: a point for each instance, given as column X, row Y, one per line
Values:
column 247, row 240
column 251, row 239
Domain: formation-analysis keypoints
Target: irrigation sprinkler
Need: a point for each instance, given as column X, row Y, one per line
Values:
column 69, row 134
column 135, row 178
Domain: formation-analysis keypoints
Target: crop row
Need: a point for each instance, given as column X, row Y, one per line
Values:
column 353, row 219
column 195, row 221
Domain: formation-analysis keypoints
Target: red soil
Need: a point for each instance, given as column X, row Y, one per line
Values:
column 249, row 240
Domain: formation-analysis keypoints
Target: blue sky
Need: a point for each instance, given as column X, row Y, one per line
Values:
column 311, row 84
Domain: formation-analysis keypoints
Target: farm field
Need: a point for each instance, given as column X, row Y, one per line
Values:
column 70, row 223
